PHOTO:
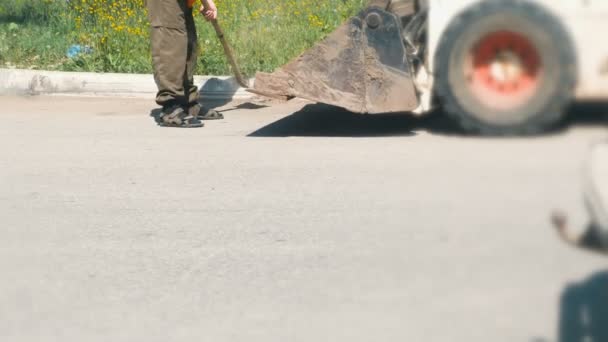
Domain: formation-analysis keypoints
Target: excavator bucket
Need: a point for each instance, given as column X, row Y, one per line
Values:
column 362, row 66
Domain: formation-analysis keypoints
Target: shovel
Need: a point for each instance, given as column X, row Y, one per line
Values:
column 235, row 67
column 227, row 50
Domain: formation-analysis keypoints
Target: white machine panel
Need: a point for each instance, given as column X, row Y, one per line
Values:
column 586, row 20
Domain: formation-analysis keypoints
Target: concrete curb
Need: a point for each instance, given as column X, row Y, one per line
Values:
column 37, row 82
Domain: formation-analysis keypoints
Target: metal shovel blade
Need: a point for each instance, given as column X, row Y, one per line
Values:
column 362, row 66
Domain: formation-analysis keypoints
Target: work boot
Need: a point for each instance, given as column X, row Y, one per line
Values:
column 202, row 113
column 175, row 116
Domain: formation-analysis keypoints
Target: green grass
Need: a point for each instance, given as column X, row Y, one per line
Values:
column 36, row 34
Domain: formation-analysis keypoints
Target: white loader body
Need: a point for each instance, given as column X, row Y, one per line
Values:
column 585, row 20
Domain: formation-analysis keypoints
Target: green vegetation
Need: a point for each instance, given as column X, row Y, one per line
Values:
column 37, row 34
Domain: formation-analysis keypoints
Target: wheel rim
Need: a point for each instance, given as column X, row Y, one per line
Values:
column 505, row 69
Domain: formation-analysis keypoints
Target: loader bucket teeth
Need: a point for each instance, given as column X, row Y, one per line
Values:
column 362, row 66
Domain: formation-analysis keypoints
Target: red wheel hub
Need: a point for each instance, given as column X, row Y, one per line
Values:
column 506, row 69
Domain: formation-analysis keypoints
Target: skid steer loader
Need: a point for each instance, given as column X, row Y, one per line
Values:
column 497, row 67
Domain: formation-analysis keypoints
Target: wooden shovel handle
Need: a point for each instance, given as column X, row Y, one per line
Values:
column 227, row 50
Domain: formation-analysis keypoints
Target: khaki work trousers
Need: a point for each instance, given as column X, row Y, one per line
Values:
column 174, row 46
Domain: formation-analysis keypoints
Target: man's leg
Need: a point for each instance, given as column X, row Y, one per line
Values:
column 168, row 48
column 192, row 58
column 169, row 43
column 195, row 109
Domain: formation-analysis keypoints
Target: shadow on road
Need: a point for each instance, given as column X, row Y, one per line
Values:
column 587, row 114
column 222, row 92
column 155, row 114
column 320, row 120
column 584, row 310
column 245, row 105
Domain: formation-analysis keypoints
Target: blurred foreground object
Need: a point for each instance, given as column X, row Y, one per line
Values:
column 497, row 67
column 596, row 196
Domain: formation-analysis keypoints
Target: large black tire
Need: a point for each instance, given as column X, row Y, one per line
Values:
column 506, row 67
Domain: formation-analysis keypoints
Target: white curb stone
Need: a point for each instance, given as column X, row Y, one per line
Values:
column 36, row 82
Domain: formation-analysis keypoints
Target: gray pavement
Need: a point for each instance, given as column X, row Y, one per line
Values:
column 288, row 222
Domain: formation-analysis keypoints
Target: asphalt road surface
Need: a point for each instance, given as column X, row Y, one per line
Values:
column 288, row 222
